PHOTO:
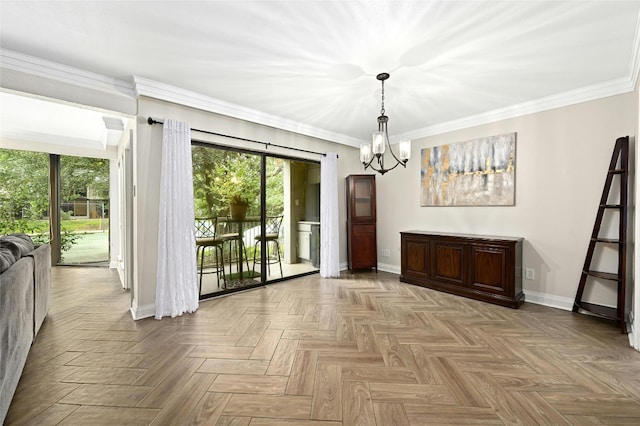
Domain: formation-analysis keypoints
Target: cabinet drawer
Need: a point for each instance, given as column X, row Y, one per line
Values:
column 304, row 245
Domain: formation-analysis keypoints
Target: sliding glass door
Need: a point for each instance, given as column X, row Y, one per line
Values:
column 273, row 238
column 83, row 210
column 292, row 218
column 227, row 201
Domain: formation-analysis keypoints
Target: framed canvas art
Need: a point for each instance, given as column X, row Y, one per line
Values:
column 478, row 172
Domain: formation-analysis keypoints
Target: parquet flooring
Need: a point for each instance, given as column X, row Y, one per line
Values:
column 364, row 349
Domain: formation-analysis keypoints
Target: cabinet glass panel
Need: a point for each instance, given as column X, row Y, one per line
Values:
column 362, row 189
column 363, row 207
column 362, row 198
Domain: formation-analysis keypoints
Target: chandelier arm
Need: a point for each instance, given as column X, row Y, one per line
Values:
column 381, row 168
column 389, row 145
column 370, row 165
column 366, row 165
column 396, row 165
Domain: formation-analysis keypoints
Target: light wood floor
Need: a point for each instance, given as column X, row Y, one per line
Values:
column 364, row 349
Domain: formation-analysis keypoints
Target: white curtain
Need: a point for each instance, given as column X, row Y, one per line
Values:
column 329, row 226
column 177, row 284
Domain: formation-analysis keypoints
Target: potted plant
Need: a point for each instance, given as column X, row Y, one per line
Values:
column 238, row 206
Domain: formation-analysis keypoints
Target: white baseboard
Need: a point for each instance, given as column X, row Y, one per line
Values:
column 564, row 303
column 387, row 267
column 140, row 312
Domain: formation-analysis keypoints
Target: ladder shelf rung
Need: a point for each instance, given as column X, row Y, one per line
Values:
column 604, row 275
column 611, row 206
column 617, row 171
column 607, row 240
column 599, row 310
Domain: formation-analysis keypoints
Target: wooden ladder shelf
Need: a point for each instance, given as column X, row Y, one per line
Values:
column 620, row 156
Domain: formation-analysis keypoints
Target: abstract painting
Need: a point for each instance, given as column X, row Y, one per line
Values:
column 478, row 172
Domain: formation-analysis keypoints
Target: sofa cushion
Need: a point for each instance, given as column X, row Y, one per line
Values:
column 6, row 259
column 19, row 244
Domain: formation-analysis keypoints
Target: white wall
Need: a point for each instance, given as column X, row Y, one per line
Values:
column 562, row 156
column 147, row 158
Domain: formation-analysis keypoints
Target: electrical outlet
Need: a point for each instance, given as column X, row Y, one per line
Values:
column 529, row 274
column 386, row 253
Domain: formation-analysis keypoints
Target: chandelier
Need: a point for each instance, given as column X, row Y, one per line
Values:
column 375, row 151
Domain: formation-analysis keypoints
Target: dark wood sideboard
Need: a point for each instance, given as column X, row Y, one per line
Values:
column 480, row 267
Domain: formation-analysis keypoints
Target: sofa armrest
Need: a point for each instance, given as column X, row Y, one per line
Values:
column 42, row 284
column 16, row 327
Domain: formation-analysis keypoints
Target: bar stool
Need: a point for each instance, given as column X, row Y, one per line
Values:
column 235, row 241
column 272, row 226
column 205, row 229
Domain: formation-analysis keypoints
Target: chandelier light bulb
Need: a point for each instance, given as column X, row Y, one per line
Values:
column 378, row 143
column 405, row 150
column 365, row 153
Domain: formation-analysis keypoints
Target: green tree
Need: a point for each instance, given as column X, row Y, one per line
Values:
column 79, row 174
column 24, row 190
column 275, row 186
column 24, row 185
column 218, row 174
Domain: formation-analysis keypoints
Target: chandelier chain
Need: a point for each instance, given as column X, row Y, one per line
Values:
column 382, row 109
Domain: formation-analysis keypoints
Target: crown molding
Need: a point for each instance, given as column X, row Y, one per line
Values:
column 63, row 73
column 154, row 89
column 585, row 94
column 140, row 86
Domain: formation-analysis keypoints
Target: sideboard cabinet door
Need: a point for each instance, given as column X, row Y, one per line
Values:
column 489, row 268
column 447, row 262
column 414, row 253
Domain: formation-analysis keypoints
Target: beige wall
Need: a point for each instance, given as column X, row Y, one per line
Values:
column 562, row 156
column 561, row 160
column 147, row 158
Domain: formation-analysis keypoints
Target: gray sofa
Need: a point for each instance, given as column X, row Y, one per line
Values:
column 25, row 294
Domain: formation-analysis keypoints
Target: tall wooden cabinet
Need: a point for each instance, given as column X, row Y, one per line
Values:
column 362, row 249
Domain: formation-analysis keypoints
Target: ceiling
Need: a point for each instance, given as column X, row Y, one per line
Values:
column 315, row 62
column 43, row 122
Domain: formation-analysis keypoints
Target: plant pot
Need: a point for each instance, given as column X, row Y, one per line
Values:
column 238, row 212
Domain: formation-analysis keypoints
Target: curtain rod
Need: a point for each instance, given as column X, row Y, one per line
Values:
column 151, row 121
